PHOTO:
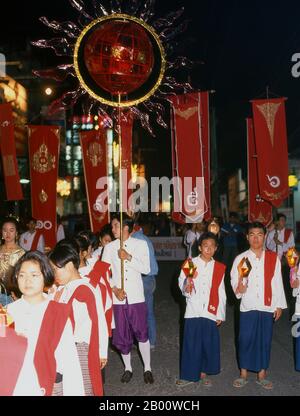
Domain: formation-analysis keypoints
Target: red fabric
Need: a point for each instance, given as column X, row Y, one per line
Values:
column 84, row 294
column 272, row 150
column 93, row 144
column 52, row 327
column 269, row 270
column 258, row 209
column 35, row 240
column 98, row 277
column 43, row 156
column 8, row 153
column 287, row 234
column 191, row 156
column 218, row 273
column 12, row 353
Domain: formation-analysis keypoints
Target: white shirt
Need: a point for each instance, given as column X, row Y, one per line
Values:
column 189, row 238
column 28, row 320
column 253, row 298
column 26, row 240
column 60, row 234
column 84, row 272
column 97, row 253
column 271, row 245
column 133, row 270
column 296, row 294
column 83, row 324
column 198, row 301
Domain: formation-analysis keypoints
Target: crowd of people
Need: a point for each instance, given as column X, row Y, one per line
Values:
column 93, row 292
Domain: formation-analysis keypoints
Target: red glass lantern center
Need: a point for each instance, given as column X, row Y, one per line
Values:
column 119, row 56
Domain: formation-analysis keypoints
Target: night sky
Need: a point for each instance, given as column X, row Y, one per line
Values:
column 245, row 46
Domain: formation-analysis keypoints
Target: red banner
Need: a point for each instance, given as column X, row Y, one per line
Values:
column 43, row 144
column 271, row 146
column 8, row 153
column 94, row 155
column 258, row 209
column 191, row 157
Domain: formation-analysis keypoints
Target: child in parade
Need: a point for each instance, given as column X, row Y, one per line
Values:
column 90, row 328
column 256, row 279
column 205, row 311
column 51, row 357
column 129, row 307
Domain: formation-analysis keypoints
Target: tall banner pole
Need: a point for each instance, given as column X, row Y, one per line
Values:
column 121, row 190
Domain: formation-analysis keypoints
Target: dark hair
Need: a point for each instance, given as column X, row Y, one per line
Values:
column 256, row 224
column 90, row 237
column 29, row 219
column 82, row 242
column 42, row 260
column 280, row 215
column 12, row 220
column 233, row 214
column 69, row 242
column 126, row 220
column 106, row 230
column 64, row 253
column 207, row 236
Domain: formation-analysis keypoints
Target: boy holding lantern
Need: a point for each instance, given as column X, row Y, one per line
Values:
column 256, row 279
column 203, row 286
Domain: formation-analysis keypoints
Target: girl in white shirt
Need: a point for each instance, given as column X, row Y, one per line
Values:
column 89, row 324
column 48, row 331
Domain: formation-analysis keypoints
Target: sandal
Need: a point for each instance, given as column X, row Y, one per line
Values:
column 240, row 382
column 183, row 383
column 206, row 382
column 266, row 384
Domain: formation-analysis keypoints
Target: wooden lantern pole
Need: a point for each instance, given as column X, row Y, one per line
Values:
column 121, row 190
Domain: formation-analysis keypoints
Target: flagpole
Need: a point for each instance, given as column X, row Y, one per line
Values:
column 120, row 190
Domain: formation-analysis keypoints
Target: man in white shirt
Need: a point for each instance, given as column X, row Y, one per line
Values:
column 262, row 300
column 130, row 310
column 280, row 238
column 32, row 239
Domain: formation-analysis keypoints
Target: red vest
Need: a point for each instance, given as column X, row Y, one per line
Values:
column 12, row 353
column 218, row 273
column 35, row 240
column 84, row 294
column 269, row 270
column 98, row 277
column 287, row 233
column 51, row 330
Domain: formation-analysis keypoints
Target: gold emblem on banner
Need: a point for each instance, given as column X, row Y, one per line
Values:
column 43, row 161
column 274, row 196
column 269, row 111
column 95, row 153
column 261, row 218
column 43, row 197
column 186, row 114
column 9, row 165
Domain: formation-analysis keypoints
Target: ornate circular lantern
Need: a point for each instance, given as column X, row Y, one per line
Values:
column 119, row 60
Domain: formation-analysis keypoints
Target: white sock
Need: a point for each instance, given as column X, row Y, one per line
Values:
column 127, row 362
column 145, row 353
